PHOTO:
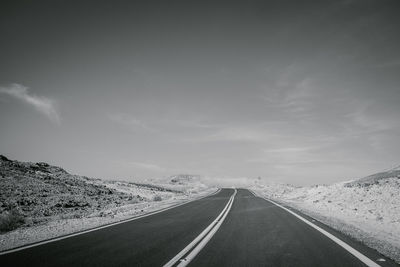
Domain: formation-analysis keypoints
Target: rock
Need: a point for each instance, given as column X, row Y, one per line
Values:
column 3, row 158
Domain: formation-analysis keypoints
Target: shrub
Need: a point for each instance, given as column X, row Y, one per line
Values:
column 157, row 198
column 10, row 220
column 133, row 200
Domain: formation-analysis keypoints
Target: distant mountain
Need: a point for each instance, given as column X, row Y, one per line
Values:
column 184, row 178
column 186, row 183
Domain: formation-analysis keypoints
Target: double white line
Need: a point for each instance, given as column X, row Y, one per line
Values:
column 201, row 240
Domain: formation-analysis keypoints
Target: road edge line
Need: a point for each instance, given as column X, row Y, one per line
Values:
column 367, row 261
column 43, row 242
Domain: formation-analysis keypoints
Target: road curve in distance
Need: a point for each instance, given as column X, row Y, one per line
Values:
column 258, row 233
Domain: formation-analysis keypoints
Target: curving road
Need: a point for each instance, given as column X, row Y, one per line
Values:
column 255, row 232
column 259, row 233
column 149, row 241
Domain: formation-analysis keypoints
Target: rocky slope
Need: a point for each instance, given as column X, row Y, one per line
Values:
column 35, row 193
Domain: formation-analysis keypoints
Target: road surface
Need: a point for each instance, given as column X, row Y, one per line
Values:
column 255, row 232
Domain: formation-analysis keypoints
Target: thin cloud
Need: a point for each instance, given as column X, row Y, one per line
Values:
column 388, row 64
column 196, row 124
column 233, row 134
column 289, row 149
column 44, row 105
column 239, row 134
column 288, row 156
column 128, row 121
column 148, row 166
column 370, row 122
column 293, row 93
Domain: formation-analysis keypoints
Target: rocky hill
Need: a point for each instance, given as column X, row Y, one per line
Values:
column 376, row 178
column 34, row 193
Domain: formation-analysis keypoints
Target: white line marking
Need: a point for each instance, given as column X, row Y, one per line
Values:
column 103, row 226
column 203, row 237
column 204, row 242
column 347, row 247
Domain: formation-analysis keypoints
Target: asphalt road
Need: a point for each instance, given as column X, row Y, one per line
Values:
column 258, row 233
column 149, row 241
column 254, row 233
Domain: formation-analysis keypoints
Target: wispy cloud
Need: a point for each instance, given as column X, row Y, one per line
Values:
column 233, row 134
column 287, row 156
column 128, row 121
column 375, row 127
column 368, row 121
column 293, row 93
column 238, row 134
column 42, row 104
column 289, row 149
column 388, row 64
column 148, row 166
column 192, row 123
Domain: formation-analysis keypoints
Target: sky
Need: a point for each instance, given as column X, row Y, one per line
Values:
column 300, row 92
